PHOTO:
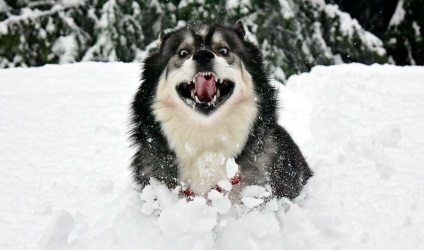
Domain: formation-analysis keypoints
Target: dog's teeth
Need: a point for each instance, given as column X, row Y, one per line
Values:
column 218, row 94
column 189, row 102
column 192, row 94
column 197, row 99
column 214, row 99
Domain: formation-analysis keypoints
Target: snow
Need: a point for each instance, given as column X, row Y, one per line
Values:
column 399, row 14
column 27, row 13
column 220, row 202
column 348, row 26
column 67, row 49
column 231, row 167
column 65, row 183
column 416, row 28
column 3, row 6
column 251, row 202
column 71, row 3
column 318, row 3
column 286, row 9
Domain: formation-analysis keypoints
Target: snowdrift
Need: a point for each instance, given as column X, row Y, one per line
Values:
column 65, row 182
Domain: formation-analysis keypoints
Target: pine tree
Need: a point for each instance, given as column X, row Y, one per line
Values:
column 118, row 32
column 294, row 35
column 398, row 23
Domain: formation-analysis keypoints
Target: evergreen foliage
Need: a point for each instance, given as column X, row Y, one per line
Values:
column 398, row 23
column 405, row 39
column 294, row 35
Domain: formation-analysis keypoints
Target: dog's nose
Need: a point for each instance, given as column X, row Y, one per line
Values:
column 203, row 56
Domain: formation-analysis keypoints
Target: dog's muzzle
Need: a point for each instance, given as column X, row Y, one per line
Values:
column 206, row 91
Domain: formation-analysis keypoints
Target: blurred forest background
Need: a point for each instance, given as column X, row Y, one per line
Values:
column 294, row 35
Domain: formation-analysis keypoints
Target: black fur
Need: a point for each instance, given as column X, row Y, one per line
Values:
column 288, row 170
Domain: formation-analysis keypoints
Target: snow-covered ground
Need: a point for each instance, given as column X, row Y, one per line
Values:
column 65, row 182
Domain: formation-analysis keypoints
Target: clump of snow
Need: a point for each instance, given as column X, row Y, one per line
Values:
column 232, row 167
column 66, row 183
column 71, row 3
column 225, row 184
column 231, row 4
column 242, row 4
column 255, row 191
column 219, row 201
column 3, row 6
column 66, row 48
column 399, row 14
column 253, row 196
column 417, row 31
column 3, row 28
column 188, row 225
column 318, row 3
column 251, row 202
column 157, row 197
column 279, row 73
column 286, row 9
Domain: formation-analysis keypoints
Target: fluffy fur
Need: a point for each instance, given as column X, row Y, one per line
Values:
column 205, row 99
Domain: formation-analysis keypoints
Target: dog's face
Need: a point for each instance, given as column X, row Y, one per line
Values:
column 204, row 88
column 204, row 68
column 204, row 97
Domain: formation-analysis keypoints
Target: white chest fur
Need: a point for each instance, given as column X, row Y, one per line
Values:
column 204, row 143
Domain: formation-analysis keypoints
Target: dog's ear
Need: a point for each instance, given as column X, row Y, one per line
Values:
column 239, row 28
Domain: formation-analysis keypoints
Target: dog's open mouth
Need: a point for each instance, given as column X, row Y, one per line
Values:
column 205, row 91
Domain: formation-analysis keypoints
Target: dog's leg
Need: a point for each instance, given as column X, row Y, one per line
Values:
column 289, row 172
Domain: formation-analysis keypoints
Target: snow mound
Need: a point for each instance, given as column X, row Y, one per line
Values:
column 66, row 185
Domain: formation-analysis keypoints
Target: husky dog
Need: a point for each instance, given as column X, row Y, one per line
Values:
column 205, row 99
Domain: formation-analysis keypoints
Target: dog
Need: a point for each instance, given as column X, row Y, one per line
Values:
column 205, row 100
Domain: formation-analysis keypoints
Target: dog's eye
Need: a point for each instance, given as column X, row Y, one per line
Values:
column 183, row 52
column 223, row 51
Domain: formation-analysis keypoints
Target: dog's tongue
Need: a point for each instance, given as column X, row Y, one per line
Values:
column 204, row 87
